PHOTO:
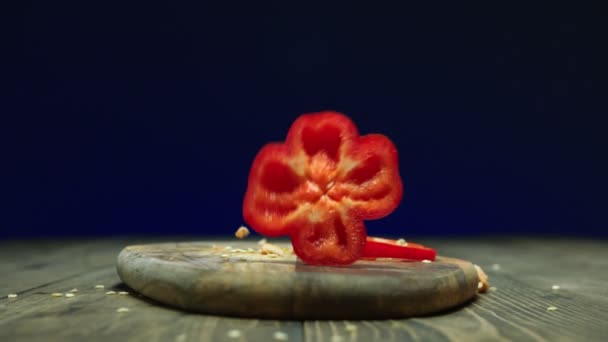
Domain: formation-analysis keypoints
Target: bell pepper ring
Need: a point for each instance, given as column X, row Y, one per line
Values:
column 376, row 247
column 320, row 184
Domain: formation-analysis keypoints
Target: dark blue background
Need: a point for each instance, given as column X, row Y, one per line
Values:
column 131, row 118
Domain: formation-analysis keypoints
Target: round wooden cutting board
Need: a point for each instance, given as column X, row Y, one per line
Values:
column 215, row 280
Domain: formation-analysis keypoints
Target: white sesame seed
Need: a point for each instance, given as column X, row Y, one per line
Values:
column 555, row 287
column 350, row 327
column 122, row 310
column 280, row 336
column 73, row 290
column 337, row 338
column 99, row 287
column 426, row 261
column 56, row 294
column 111, row 292
column 495, row 267
column 12, row 295
column 123, row 293
column 401, row 242
column 69, row 295
column 234, row 333
column 551, row 308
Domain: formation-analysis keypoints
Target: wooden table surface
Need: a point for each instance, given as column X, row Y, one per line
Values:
column 522, row 273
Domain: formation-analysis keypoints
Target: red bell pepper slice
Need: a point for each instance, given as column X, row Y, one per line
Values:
column 376, row 247
column 320, row 185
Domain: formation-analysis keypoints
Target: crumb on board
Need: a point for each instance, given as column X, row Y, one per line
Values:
column 69, row 295
column 269, row 248
column 56, row 294
column 111, row 292
column 123, row 293
column 280, row 336
column 123, row 309
column 234, row 333
column 555, row 287
column 551, row 308
column 12, row 295
column 483, row 284
column 99, row 287
column 242, row 232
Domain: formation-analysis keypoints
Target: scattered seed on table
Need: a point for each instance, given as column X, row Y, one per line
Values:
column 123, row 293
column 98, row 287
column 57, row 294
column 280, row 336
column 111, row 293
column 337, row 338
column 234, row 333
column 551, row 308
column 73, row 290
column 12, row 295
column 351, row 327
column 122, row 310
column 242, row 232
column 555, row 287
column 69, row 295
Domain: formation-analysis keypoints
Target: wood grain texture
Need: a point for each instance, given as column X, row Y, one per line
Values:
column 516, row 310
column 197, row 277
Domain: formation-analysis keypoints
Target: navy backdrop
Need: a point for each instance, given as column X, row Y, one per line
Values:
column 136, row 118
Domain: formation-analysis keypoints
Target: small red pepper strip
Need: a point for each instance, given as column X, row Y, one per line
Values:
column 376, row 247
